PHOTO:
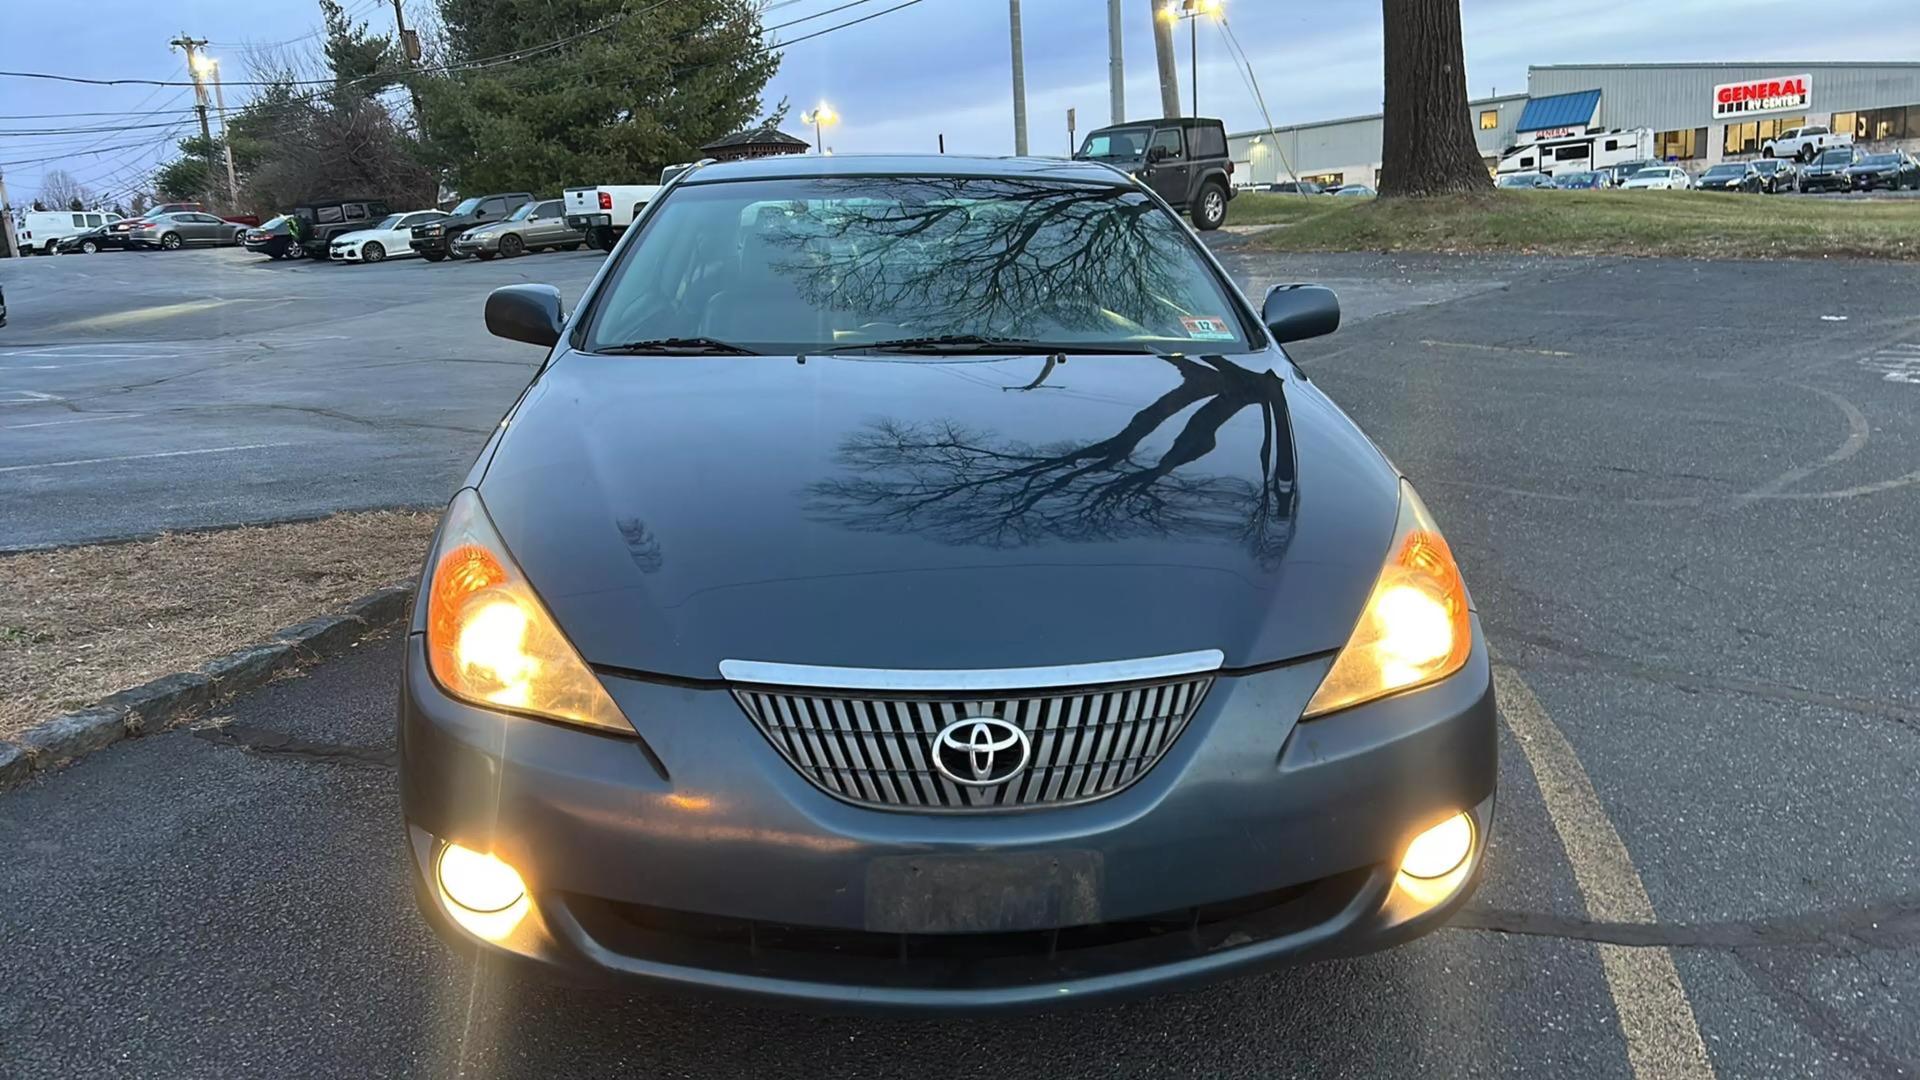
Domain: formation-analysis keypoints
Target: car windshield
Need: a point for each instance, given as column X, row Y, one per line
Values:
column 1517, row 180
column 272, row 223
column 467, row 206
column 1120, row 143
column 1879, row 159
column 521, row 212
column 1579, row 179
column 1768, row 166
column 1836, row 156
column 794, row 266
column 1725, row 170
column 388, row 222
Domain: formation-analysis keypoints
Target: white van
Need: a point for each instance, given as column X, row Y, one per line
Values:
column 41, row 230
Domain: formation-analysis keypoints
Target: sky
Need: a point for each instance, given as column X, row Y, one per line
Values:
column 901, row 80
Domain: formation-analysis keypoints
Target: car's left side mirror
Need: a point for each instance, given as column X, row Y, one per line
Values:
column 1298, row 312
column 529, row 313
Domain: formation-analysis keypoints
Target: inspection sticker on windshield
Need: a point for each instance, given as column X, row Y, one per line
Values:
column 1212, row 328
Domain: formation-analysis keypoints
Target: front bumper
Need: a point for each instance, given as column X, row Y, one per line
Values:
column 701, row 859
column 344, row 253
column 468, row 243
column 429, row 245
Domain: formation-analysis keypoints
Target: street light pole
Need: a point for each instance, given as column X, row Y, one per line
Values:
column 1193, row 54
column 1019, row 81
column 819, row 116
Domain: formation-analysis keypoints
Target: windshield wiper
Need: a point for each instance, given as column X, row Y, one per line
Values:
column 977, row 344
column 679, row 346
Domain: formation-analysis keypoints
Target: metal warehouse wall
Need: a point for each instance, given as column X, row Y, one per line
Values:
column 1668, row 97
column 1353, row 145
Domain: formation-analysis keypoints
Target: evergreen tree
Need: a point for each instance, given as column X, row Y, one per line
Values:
column 642, row 86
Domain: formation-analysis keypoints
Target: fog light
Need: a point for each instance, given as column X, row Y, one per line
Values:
column 479, row 883
column 1440, row 850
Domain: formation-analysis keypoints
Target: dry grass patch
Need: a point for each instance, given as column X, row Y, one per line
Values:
column 79, row 623
column 1688, row 224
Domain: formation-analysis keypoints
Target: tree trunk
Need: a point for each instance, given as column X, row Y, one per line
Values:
column 1428, row 136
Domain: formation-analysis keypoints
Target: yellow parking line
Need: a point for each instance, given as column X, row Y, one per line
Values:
column 1663, row 1040
column 162, row 311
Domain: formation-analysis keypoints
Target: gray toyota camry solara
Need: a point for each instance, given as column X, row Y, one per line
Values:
column 927, row 582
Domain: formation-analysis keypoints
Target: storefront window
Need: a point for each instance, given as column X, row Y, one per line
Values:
column 1327, row 180
column 1741, row 139
column 1879, row 125
column 1489, row 119
column 1684, row 144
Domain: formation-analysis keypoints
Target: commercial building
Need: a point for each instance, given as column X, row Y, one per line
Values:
column 1700, row 114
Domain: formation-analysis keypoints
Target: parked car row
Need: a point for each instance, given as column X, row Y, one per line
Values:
column 363, row 230
column 1837, row 168
column 164, row 227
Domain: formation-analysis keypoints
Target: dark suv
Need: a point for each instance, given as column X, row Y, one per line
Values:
column 1184, row 161
column 435, row 239
column 323, row 219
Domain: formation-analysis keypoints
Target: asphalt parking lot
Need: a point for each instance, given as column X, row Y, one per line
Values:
column 1683, row 493
column 142, row 391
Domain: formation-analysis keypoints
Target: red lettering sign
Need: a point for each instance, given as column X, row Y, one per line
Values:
column 1761, row 96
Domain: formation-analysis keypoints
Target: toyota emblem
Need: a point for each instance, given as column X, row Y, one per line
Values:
column 980, row 751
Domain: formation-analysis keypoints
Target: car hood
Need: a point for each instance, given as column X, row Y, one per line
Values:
column 939, row 513
column 356, row 236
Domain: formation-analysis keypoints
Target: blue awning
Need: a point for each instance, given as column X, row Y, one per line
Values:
column 1560, row 110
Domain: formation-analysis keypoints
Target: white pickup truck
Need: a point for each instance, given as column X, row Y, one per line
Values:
column 1804, row 144
column 604, row 212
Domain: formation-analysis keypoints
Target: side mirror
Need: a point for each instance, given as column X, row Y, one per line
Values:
column 1156, row 154
column 529, row 313
column 1294, row 312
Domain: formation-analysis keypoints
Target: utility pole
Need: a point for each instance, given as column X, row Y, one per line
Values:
column 1163, row 56
column 1019, row 81
column 410, row 50
column 189, row 44
column 6, row 219
column 1116, row 66
column 226, row 144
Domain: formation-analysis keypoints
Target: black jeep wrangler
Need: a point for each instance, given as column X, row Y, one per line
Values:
column 1183, row 160
column 435, row 239
column 323, row 219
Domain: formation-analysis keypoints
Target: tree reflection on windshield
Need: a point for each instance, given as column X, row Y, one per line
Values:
column 1030, row 260
column 959, row 485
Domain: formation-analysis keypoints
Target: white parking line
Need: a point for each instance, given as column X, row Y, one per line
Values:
column 26, row 397
column 79, row 420
column 1663, row 1039
column 139, row 457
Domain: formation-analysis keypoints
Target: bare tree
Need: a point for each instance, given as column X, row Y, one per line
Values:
column 60, row 191
column 1429, row 140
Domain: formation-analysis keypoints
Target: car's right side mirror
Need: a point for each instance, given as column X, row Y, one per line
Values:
column 1298, row 312
column 529, row 313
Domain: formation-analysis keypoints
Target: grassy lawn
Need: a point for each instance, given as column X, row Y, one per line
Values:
column 1675, row 223
column 79, row 623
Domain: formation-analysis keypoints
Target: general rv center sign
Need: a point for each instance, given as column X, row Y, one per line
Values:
column 1782, row 94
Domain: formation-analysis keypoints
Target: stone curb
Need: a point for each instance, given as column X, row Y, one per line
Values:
column 153, row 706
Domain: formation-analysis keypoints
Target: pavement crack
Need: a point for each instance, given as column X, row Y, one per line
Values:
column 280, row 744
column 1883, row 925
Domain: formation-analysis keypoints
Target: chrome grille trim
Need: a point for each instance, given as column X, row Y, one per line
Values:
column 875, row 748
column 935, row 680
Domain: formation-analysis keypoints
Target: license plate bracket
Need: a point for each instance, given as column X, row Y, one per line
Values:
column 964, row 893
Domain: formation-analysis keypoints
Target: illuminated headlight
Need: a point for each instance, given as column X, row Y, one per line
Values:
column 490, row 640
column 1415, row 627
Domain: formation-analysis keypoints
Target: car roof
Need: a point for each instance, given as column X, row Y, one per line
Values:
column 814, row 166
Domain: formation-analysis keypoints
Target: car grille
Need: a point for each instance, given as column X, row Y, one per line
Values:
column 877, row 749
